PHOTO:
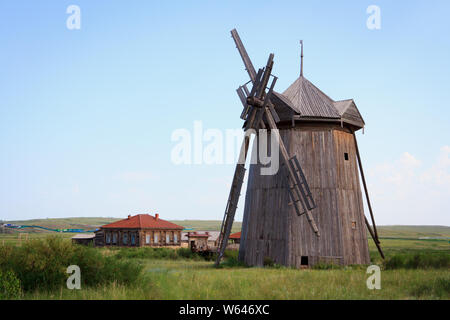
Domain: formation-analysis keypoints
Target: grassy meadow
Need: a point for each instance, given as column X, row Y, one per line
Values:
column 414, row 269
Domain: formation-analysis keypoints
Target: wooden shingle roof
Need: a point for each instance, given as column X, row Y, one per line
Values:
column 349, row 112
column 308, row 102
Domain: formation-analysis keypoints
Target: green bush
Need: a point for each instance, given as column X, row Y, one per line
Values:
column 418, row 261
column 43, row 263
column 9, row 285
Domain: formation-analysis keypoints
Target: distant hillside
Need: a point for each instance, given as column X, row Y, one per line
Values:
column 210, row 225
column 94, row 222
column 414, row 231
column 64, row 223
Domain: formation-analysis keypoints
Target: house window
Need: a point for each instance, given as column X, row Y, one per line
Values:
column 175, row 238
column 346, row 156
column 155, row 239
column 114, row 238
column 147, row 239
column 133, row 239
column 125, row 238
column 167, row 238
column 108, row 238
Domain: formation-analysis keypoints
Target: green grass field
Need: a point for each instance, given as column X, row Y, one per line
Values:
column 199, row 279
column 187, row 279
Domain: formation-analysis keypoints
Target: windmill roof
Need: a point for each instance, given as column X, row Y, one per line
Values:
column 349, row 112
column 142, row 221
column 309, row 102
column 342, row 105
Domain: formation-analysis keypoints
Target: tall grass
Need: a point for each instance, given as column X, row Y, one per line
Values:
column 181, row 274
column 43, row 263
column 439, row 288
column 189, row 279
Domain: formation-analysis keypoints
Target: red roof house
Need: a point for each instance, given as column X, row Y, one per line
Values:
column 140, row 230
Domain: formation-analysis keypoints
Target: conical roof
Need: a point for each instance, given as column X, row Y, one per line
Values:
column 310, row 103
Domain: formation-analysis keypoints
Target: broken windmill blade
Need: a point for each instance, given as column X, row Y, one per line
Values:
column 245, row 58
column 247, row 113
column 258, row 98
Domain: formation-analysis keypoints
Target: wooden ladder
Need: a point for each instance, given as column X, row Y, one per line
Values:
column 230, row 210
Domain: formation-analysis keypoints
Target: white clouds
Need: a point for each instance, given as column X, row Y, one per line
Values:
column 439, row 173
column 408, row 192
column 408, row 160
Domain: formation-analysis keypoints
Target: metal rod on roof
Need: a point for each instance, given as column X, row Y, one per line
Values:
column 301, row 59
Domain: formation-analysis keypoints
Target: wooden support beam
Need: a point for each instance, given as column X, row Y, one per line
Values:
column 373, row 237
column 233, row 199
column 365, row 190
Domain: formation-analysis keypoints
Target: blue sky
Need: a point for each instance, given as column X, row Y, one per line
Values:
column 86, row 116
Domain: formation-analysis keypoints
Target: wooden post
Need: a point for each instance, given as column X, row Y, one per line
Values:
column 365, row 190
column 373, row 237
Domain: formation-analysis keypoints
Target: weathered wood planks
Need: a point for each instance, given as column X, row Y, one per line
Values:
column 272, row 229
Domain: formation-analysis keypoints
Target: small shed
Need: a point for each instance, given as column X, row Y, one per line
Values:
column 198, row 241
column 213, row 239
column 84, row 238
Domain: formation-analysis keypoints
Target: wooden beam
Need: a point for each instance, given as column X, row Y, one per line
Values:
column 365, row 190
column 245, row 58
column 373, row 237
column 233, row 199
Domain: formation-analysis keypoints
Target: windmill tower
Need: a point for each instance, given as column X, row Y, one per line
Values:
column 311, row 210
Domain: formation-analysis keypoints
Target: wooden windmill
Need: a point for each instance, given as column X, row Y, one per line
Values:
column 311, row 210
